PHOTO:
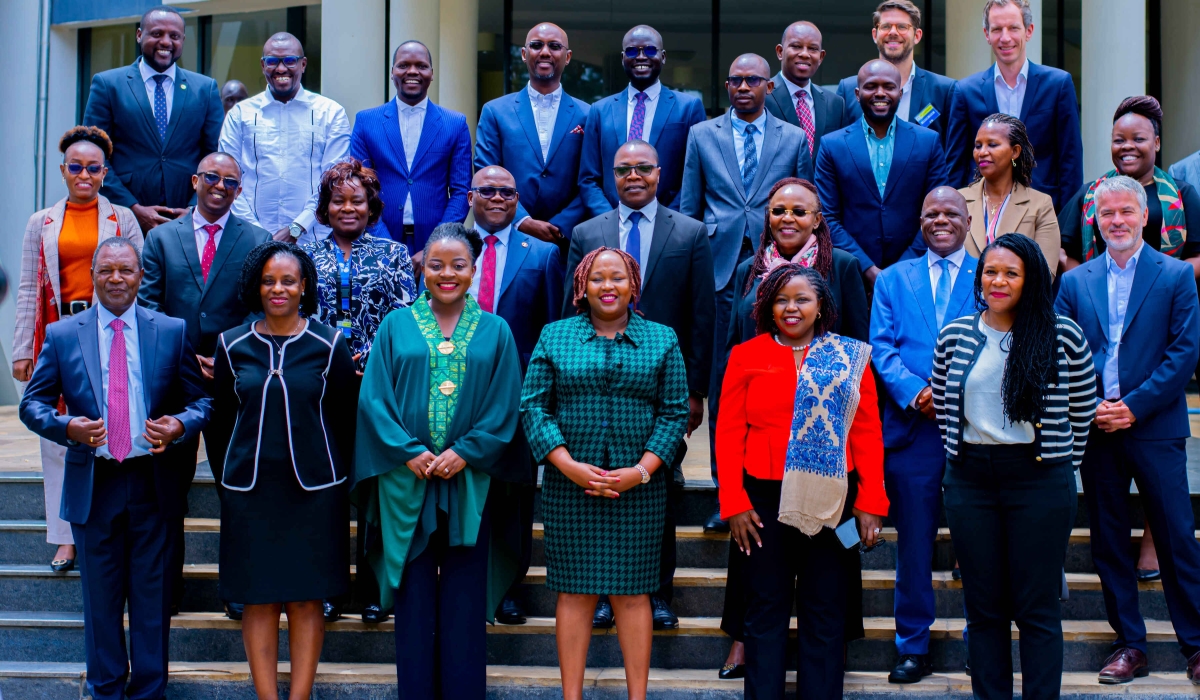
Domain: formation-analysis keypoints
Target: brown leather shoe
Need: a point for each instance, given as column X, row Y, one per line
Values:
column 1193, row 669
column 1126, row 664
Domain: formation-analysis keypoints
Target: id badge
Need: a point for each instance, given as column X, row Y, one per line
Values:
column 847, row 533
column 927, row 116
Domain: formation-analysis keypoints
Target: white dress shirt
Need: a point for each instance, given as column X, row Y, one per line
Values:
column 502, row 237
column 652, row 94
column 133, row 357
column 739, row 138
column 1009, row 100
column 935, row 271
column 284, row 148
column 545, row 113
column 412, row 120
column 198, row 224
column 645, row 230
column 904, row 110
column 1120, row 284
column 148, row 74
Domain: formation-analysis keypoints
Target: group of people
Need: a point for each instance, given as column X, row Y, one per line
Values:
column 890, row 295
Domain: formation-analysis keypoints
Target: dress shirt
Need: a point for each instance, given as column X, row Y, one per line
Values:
column 133, row 355
column 652, row 93
column 284, row 148
column 935, row 271
column 198, row 224
column 1010, row 99
column 880, row 151
column 739, row 139
column 1120, row 282
column 545, row 112
column 904, row 110
column 983, row 400
column 148, row 74
column 412, row 120
column 793, row 88
column 501, row 256
column 645, row 230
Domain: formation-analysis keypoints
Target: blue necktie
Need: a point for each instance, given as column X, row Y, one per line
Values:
column 633, row 242
column 750, row 163
column 160, row 106
column 941, row 297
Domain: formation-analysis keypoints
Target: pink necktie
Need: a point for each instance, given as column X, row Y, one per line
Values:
column 210, row 250
column 806, row 120
column 638, row 122
column 487, row 285
column 119, row 441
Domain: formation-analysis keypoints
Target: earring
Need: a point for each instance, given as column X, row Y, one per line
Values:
column 818, row 314
column 1014, row 162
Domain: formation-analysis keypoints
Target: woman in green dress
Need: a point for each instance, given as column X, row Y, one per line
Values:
column 605, row 404
column 438, row 408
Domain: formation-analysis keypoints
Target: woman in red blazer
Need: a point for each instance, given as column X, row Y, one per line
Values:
column 799, row 451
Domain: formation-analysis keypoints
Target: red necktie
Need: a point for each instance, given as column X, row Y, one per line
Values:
column 487, row 285
column 119, row 440
column 210, row 249
column 806, row 120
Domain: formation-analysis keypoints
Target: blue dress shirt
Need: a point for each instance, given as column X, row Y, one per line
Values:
column 739, row 137
column 1120, row 282
column 137, row 399
column 880, row 151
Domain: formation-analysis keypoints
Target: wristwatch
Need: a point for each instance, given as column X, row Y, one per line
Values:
column 296, row 230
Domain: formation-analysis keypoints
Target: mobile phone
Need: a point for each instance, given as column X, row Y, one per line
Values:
column 847, row 533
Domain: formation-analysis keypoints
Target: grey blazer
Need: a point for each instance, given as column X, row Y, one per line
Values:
column 1188, row 170
column 712, row 184
column 829, row 109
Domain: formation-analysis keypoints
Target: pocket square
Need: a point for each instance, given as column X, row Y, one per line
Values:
column 577, row 130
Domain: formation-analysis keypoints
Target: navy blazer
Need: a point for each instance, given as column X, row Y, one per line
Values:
column 829, row 112
column 145, row 169
column 1051, row 116
column 675, row 114
column 531, row 290
column 440, row 175
column 878, row 231
column 69, row 366
column 929, row 90
column 904, row 334
column 1160, row 341
column 507, row 136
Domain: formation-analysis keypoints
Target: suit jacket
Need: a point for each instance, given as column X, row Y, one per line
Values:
column 929, row 90
column 507, row 136
column 878, row 231
column 675, row 114
column 677, row 290
column 69, row 366
column 144, row 168
column 174, row 285
column 904, row 334
column 1159, row 344
column 1188, row 170
column 1028, row 212
column 712, row 184
column 829, row 111
column 440, row 175
column 1051, row 116
column 531, row 290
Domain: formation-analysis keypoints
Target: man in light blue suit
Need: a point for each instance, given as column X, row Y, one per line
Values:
column 536, row 134
column 646, row 110
column 1187, row 170
column 913, row 300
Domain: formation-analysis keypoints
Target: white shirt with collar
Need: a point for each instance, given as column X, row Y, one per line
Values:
column 739, row 137
column 904, row 110
column 545, row 113
column 502, row 239
column 148, row 74
column 652, row 94
column 935, row 271
column 645, row 230
column 198, row 224
column 797, row 92
column 1009, row 100
column 1120, row 284
column 133, row 358
column 412, row 120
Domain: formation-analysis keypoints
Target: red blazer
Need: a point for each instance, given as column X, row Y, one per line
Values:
column 757, row 401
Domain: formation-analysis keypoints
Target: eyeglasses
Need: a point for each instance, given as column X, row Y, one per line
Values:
column 863, row 548
column 902, row 28
column 633, row 51
column 641, row 168
column 798, row 213
column 537, row 45
column 288, row 61
column 752, row 80
column 76, row 168
column 506, row 193
column 211, row 179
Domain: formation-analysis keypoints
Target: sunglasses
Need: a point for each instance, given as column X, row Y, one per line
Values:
column 506, row 193
column 633, row 51
column 288, row 61
column 751, row 80
column 863, row 548
column 211, row 179
column 641, row 168
column 538, row 45
column 76, row 168
column 798, row 213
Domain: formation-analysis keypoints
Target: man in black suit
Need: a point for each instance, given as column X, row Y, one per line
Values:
column 191, row 268
column 161, row 118
column 677, row 291
column 796, row 99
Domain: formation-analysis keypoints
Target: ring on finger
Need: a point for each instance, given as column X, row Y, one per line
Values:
column 92, row 439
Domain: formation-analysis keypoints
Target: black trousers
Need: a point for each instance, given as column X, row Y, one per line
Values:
column 1010, row 520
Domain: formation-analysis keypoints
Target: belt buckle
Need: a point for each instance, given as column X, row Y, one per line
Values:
column 77, row 307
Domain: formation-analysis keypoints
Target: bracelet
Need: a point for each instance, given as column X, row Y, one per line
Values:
column 645, row 474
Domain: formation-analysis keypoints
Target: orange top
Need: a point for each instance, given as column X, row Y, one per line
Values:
column 76, row 245
column 758, row 398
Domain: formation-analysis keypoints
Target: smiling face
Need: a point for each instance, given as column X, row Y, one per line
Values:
column 800, row 55
column 448, row 271
column 795, row 309
column 214, row 200
column 349, row 209
column 1007, row 34
column 944, row 221
column 994, row 152
column 878, row 91
column 116, row 277
column 895, row 35
column 161, row 39
column 282, row 81
column 636, row 189
column 1002, row 280
column 1121, row 218
column 493, row 213
column 609, row 287
column 85, row 186
column 1134, row 146
column 412, row 72
column 281, row 286
column 643, row 70
column 789, row 231
column 546, row 63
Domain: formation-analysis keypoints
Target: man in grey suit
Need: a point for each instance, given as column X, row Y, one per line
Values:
column 1187, row 170
column 796, row 99
column 161, row 118
column 731, row 164
column 677, row 291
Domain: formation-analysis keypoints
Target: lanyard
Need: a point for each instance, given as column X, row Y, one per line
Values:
column 344, row 290
column 990, row 227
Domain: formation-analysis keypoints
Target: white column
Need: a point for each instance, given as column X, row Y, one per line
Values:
column 1109, row 74
column 1033, row 49
column 1180, row 79
column 420, row 20
column 967, row 51
column 459, row 58
column 354, row 60
column 60, row 107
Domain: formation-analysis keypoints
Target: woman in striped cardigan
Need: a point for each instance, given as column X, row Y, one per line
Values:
column 1015, row 392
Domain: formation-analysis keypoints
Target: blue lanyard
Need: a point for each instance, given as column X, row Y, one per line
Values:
column 344, row 290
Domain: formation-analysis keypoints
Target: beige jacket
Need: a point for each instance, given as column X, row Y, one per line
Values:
column 1029, row 212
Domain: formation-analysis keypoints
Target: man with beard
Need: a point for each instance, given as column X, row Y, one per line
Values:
column 796, row 98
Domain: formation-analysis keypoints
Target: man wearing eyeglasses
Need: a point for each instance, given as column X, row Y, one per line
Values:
column 646, row 110
column 285, row 138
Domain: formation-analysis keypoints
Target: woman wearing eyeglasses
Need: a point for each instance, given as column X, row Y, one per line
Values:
column 56, row 281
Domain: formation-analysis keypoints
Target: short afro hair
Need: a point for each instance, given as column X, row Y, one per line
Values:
column 343, row 173
column 91, row 134
column 250, row 282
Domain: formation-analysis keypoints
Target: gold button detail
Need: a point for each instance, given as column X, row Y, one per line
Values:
column 447, row 387
column 1038, row 458
column 445, row 347
column 1037, row 425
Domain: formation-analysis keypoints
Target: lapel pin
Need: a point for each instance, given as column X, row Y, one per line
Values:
column 183, row 86
column 524, row 244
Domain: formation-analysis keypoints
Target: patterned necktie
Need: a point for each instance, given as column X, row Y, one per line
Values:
column 119, row 441
column 487, row 285
column 750, row 163
column 633, row 242
column 639, row 116
column 210, row 249
column 941, row 297
column 160, row 106
column 806, row 121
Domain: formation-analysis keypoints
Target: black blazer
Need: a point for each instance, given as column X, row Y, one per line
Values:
column 173, row 284
column 828, row 110
column 929, row 88
column 678, row 290
column 145, row 169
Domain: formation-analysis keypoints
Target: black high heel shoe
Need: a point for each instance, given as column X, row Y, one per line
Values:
column 731, row 672
column 62, row 566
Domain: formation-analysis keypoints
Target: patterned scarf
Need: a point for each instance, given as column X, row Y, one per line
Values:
column 1174, row 229
column 447, row 364
column 814, row 478
column 805, row 257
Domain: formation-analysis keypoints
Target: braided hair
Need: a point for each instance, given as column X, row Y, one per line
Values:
column 580, row 279
column 250, row 281
column 764, row 302
column 1032, row 361
column 824, row 262
column 1017, row 136
column 1144, row 106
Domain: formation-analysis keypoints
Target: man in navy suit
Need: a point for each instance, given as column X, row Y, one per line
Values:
column 1041, row 97
column 132, row 388
column 161, row 118
column 913, row 300
column 796, row 99
column 520, row 279
column 420, row 151
column 646, row 110
column 1138, row 310
column 537, row 135
column 873, row 175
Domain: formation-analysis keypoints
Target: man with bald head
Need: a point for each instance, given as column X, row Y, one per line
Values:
column 285, row 138
column 913, row 299
column 796, row 99
column 233, row 92
column 646, row 110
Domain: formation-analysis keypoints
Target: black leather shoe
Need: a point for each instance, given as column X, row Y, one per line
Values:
column 234, row 610
column 661, row 613
column 911, row 668
column 603, row 619
column 62, row 566
column 373, row 614
column 174, row 609
column 715, row 524
column 509, row 613
column 332, row 611
column 967, row 667
column 1142, row 574
column 731, row 672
